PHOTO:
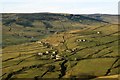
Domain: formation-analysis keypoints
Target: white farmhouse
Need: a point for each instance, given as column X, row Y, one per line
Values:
column 58, row 57
column 84, row 40
column 40, row 54
column 47, row 52
column 98, row 32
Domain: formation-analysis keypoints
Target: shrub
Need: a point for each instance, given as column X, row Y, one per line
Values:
column 51, row 68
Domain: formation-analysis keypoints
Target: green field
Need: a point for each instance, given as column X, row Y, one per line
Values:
column 56, row 46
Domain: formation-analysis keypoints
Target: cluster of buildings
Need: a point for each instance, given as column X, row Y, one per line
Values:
column 84, row 40
column 52, row 55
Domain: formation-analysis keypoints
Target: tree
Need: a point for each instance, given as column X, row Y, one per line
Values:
column 51, row 68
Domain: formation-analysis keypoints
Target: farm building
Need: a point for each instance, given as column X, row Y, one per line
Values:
column 58, row 57
column 47, row 52
column 40, row 54
column 81, row 40
column 98, row 32
column 84, row 40
column 52, row 56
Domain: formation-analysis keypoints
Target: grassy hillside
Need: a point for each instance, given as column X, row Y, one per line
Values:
column 105, row 17
column 80, row 47
column 22, row 28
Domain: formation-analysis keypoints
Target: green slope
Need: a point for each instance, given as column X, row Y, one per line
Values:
column 96, row 55
column 22, row 28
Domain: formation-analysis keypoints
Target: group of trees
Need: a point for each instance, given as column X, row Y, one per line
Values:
column 23, row 22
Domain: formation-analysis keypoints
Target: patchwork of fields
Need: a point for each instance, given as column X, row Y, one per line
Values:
column 82, row 52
